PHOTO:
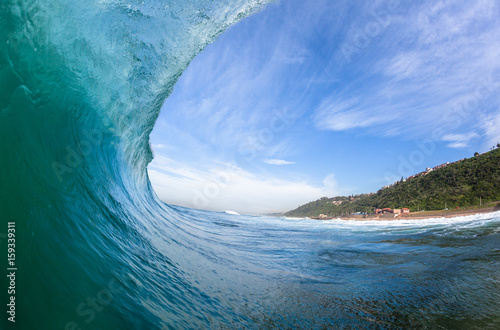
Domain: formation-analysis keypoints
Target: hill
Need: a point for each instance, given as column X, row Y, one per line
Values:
column 465, row 183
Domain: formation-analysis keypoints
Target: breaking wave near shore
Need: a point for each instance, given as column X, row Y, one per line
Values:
column 82, row 84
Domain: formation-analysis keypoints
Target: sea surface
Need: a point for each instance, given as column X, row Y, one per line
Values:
column 81, row 86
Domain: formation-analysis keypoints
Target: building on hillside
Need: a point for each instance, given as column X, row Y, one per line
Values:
column 441, row 166
column 388, row 210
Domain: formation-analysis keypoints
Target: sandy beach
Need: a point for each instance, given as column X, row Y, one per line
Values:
column 420, row 215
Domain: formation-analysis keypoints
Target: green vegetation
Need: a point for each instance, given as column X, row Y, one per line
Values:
column 462, row 184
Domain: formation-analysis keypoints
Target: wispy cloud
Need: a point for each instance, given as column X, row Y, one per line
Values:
column 403, row 65
column 430, row 64
column 277, row 162
column 345, row 115
column 491, row 127
column 330, row 182
column 457, row 145
column 459, row 140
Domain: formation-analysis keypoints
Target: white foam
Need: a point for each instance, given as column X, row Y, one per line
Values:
column 415, row 226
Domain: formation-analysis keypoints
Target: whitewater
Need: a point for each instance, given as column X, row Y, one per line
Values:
column 81, row 86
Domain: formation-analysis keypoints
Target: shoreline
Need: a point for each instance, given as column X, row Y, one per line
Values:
column 419, row 215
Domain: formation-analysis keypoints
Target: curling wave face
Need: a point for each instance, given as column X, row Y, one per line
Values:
column 81, row 85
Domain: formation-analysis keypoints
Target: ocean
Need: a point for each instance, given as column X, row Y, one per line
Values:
column 87, row 244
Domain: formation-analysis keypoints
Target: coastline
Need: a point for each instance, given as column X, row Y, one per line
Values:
column 419, row 215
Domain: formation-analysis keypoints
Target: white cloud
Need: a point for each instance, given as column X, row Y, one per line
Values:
column 159, row 146
column 459, row 137
column 403, row 65
column 430, row 62
column 227, row 187
column 491, row 127
column 330, row 183
column 457, row 145
column 277, row 162
column 338, row 115
column 459, row 140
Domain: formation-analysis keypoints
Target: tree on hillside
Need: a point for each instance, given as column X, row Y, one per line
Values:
column 476, row 154
column 466, row 183
column 498, row 145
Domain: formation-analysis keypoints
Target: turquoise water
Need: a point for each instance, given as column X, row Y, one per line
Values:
column 81, row 85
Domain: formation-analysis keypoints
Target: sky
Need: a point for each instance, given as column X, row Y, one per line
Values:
column 307, row 99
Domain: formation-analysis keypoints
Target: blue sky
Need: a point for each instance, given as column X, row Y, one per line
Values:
column 321, row 98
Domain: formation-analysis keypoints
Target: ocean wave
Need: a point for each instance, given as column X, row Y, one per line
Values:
column 82, row 84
